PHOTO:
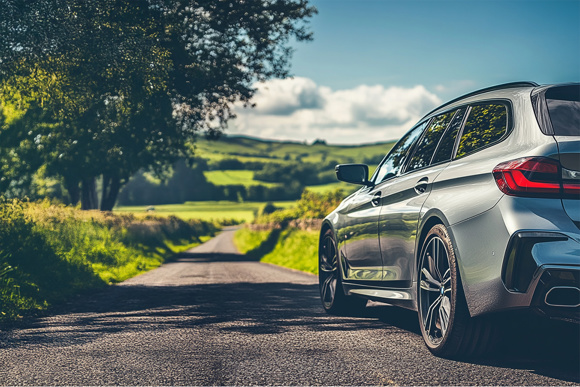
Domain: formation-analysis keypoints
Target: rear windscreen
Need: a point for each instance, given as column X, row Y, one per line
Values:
column 564, row 107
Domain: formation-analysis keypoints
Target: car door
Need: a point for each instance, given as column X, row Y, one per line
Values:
column 360, row 235
column 403, row 198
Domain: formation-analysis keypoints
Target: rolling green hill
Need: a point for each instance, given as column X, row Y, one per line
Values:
column 250, row 149
column 254, row 153
column 246, row 169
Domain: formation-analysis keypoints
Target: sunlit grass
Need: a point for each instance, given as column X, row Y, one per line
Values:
column 242, row 177
column 247, row 240
column 207, row 210
column 296, row 249
column 249, row 149
column 291, row 248
column 51, row 252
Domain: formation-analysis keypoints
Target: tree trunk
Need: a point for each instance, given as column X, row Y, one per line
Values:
column 74, row 191
column 89, row 199
column 111, row 187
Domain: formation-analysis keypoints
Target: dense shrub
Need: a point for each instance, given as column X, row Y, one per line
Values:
column 188, row 183
column 311, row 205
column 235, row 164
column 303, row 173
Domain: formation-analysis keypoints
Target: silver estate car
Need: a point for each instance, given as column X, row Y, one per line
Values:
column 474, row 211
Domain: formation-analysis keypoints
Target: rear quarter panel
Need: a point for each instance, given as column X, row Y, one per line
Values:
column 465, row 194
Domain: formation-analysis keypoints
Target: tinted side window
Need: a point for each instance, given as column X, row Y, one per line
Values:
column 485, row 124
column 396, row 158
column 427, row 144
column 445, row 149
column 564, row 107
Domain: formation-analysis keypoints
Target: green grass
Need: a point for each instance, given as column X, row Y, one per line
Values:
column 296, row 249
column 208, row 210
column 51, row 252
column 292, row 248
column 247, row 240
column 245, row 178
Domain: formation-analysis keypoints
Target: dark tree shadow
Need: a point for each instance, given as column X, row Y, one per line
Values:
column 547, row 348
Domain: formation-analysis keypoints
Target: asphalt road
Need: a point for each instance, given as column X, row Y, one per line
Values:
column 211, row 317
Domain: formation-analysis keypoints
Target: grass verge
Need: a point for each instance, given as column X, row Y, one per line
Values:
column 296, row 249
column 292, row 248
column 50, row 252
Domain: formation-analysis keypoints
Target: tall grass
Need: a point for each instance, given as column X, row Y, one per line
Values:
column 48, row 252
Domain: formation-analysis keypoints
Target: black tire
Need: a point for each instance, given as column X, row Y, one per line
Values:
column 334, row 300
column 446, row 325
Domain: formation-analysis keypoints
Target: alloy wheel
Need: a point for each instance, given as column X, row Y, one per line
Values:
column 328, row 271
column 435, row 290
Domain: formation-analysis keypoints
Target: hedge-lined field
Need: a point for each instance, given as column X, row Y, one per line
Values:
column 49, row 252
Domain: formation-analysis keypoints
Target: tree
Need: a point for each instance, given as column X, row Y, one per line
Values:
column 110, row 87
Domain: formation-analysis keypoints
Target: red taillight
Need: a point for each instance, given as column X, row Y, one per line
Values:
column 529, row 176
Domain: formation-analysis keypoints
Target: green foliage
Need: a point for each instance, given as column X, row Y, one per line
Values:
column 48, row 252
column 311, row 205
column 275, row 242
column 189, row 183
column 108, row 87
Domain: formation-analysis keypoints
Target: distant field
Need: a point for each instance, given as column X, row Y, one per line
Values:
column 245, row 178
column 252, row 149
column 209, row 210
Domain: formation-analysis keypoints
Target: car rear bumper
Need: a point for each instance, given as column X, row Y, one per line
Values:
column 529, row 259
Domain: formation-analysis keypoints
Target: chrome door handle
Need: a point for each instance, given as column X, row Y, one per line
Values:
column 376, row 199
column 421, row 185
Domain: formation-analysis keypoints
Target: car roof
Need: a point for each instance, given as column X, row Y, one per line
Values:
column 503, row 86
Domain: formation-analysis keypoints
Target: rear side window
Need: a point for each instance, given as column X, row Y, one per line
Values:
column 427, row 144
column 486, row 124
column 564, row 107
column 447, row 143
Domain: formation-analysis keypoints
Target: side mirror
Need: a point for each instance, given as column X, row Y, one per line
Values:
column 353, row 173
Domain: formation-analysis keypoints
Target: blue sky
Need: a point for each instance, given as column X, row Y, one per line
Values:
column 411, row 55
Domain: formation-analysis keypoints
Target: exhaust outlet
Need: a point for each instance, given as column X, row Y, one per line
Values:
column 563, row 296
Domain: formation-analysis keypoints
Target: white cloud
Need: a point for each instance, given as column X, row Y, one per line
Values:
column 299, row 109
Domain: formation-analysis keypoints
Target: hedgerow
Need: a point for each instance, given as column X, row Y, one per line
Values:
column 49, row 252
column 311, row 205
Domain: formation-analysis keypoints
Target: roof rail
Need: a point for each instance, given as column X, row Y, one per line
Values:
column 492, row 88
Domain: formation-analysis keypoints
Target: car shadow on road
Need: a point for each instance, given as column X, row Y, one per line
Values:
column 529, row 342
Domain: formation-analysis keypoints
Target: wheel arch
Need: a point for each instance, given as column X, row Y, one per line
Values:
column 432, row 218
column 326, row 225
